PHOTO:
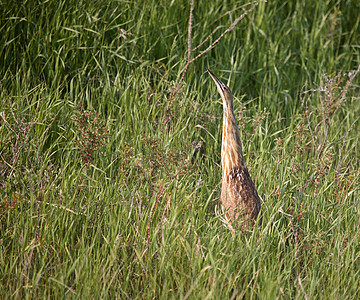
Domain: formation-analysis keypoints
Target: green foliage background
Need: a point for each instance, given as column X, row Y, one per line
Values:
column 110, row 182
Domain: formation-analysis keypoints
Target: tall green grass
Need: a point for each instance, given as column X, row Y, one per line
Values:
column 110, row 183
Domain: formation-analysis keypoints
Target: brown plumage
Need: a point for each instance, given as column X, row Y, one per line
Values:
column 238, row 193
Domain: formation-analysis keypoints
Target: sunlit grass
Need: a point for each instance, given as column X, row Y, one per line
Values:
column 110, row 183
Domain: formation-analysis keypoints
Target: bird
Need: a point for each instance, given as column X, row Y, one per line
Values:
column 239, row 196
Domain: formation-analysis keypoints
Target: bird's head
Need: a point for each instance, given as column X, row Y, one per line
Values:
column 223, row 89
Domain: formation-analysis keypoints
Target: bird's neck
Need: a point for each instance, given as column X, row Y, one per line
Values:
column 231, row 150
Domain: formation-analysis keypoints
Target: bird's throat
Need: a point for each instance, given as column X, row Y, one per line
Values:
column 231, row 150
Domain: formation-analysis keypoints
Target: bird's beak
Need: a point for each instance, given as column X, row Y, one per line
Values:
column 218, row 82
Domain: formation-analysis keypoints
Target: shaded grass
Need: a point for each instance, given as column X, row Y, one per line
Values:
column 141, row 219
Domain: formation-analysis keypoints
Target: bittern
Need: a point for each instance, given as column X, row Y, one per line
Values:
column 239, row 196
